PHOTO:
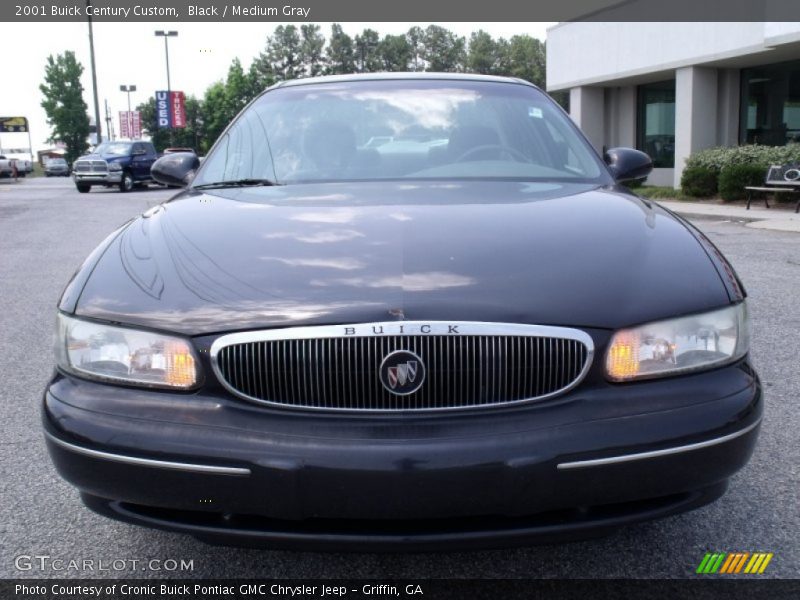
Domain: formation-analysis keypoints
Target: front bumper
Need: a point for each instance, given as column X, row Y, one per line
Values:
column 600, row 457
column 110, row 178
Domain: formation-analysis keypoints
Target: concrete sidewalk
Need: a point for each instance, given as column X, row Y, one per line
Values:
column 758, row 217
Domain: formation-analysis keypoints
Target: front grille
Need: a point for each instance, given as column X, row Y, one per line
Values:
column 322, row 368
column 91, row 166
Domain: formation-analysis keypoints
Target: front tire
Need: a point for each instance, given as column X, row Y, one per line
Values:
column 83, row 188
column 126, row 183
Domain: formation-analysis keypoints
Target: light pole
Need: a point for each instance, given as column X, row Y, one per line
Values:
column 98, row 128
column 166, row 35
column 129, row 117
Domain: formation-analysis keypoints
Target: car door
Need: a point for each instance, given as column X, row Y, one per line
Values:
column 141, row 161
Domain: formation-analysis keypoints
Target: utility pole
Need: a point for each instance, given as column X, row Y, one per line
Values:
column 98, row 129
column 109, row 130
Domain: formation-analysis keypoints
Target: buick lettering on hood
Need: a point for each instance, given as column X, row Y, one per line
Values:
column 402, row 311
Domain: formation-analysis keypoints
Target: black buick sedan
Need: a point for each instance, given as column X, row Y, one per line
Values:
column 402, row 311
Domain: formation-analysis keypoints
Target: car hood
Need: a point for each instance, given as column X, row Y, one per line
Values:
column 106, row 157
column 556, row 254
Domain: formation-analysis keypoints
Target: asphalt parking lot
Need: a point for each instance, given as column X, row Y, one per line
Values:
column 47, row 229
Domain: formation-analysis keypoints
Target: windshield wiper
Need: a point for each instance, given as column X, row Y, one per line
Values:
column 235, row 183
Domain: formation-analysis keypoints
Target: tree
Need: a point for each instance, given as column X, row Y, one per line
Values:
column 237, row 89
column 340, row 54
column 367, row 45
column 526, row 59
column 261, row 74
column 394, row 52
column 158, row 135
column 482, row 56
column 283, row 52
column 64, row 105
column 257, row 81
column 190, row 136
column 312, row 47
column 416, row 42
column 224, row 100
column 214, row 111
column 443, row 50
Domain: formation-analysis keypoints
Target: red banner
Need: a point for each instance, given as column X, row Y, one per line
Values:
column 171, row 109
column 130, row 124
column 124, row 124
column 177, row 102
column 136, row 123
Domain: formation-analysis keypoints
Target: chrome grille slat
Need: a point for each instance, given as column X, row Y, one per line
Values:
column 91, row 166
column 463, row 370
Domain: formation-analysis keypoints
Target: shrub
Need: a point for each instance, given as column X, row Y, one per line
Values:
column 634, row 184
column 752, row 154
column 734, row 178
column 699, row 181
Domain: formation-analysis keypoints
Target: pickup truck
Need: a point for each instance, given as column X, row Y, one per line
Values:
column 24, row 166
column 6, row 166
column 120, row 163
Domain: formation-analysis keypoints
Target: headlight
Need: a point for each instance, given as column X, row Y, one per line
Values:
column 124, row 355
column 679, row 345
column 114, row 166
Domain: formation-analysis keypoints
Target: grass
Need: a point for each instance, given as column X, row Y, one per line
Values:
column 662, row 193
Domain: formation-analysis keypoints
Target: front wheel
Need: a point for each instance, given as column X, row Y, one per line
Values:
column 126, row 183
column 83, row 188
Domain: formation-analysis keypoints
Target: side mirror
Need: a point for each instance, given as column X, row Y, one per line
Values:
column 627, row 164
column 176, row 170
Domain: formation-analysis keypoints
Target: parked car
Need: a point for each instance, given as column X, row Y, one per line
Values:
column 56, row 167
column 402, row 311
column 176, row 150
column 119, row 163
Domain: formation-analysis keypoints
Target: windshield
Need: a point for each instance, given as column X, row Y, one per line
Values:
column 57, row 161
column 114, row 148
column 402, row 129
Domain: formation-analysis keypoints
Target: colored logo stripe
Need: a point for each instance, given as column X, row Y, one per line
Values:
column 758, row 563
column 733, row 562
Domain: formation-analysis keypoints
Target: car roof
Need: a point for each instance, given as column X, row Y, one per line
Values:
column 400, row 75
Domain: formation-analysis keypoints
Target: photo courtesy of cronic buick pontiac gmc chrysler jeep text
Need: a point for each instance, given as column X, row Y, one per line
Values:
column 402, row 311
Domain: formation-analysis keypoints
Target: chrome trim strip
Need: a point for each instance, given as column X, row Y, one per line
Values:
column 148, row 462
column 395, row 328
column 392, row 329
column 598, row 462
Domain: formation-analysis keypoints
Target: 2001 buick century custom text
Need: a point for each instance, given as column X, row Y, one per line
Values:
column 402, row 311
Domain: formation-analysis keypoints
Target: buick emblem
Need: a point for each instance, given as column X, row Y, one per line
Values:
column 402, row 372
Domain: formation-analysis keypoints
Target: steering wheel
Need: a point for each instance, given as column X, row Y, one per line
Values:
column 507, row 150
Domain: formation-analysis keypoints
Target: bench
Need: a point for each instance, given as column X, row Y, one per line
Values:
column 780, row 179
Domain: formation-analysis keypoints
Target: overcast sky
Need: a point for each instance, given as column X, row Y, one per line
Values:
column 129, row 53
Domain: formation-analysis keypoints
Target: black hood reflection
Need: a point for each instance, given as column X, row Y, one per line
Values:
column 547, row 253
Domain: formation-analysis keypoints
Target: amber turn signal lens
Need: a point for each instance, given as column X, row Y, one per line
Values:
column 180, row 368
column 623, row 356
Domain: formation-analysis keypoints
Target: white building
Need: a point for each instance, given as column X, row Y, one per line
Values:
column 671, row 89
